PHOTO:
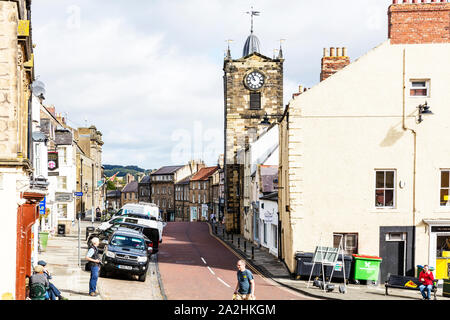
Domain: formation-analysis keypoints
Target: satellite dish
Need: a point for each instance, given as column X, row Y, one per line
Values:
column 38, row 88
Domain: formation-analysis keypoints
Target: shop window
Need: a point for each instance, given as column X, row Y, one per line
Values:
column 349, row 242
column 385, row 189
column 62, row 211
column 275, row 236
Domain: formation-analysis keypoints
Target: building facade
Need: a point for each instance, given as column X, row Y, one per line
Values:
column 200, row 194
column 360, row 156
column 253, row 88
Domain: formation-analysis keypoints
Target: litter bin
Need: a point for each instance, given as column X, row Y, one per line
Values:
column 61, row 229
column 420, row 268
column 88, row 231
column 43, row 238
column 305, row 264
column 367, row 267
column 339, row 269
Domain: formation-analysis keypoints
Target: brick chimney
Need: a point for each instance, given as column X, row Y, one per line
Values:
column 333, row 60
column 424, row 21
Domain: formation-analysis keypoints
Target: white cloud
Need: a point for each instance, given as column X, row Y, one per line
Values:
column 141, row 71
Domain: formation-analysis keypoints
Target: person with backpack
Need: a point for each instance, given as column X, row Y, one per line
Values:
column 94, row 261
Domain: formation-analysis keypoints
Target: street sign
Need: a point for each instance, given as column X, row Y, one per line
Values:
column 78, row 194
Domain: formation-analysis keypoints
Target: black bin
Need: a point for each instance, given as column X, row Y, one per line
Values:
column 61, row 229
column 305, row 264
column 339, row 274
column 88, row 231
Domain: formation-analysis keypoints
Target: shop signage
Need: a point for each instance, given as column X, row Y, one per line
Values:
column 52, row 161
column 42, row 206
column 63, row 197
column 440, row 229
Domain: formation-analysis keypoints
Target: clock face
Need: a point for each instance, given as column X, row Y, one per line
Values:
column 254, row 80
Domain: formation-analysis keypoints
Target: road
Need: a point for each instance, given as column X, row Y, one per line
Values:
column 196, row 266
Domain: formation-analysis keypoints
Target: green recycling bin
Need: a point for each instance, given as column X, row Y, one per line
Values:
column 367, row 267
column 43, row 238
column 420, row 268
column 446, row 288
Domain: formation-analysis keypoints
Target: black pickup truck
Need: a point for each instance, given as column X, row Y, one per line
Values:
column 127, row 251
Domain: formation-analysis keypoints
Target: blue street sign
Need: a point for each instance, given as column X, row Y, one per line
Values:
column 78, row 194
column 42, row 206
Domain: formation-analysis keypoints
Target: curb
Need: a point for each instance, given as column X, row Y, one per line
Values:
column 264, row 274
column 161, row 286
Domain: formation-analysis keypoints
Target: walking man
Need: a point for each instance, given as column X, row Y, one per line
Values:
column 93, row 259
column 427, row 279
column 245, row 287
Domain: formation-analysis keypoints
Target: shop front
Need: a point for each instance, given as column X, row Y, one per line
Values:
column 439, row 251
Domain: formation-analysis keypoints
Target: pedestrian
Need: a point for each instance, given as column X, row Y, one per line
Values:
column 213, row 218
column 245, row 287
column 52, row 291
column 38, row 284
column 427, row 279
column 93, row 259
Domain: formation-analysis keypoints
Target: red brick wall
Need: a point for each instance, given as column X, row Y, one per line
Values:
column 425, row 22
column 336, row 60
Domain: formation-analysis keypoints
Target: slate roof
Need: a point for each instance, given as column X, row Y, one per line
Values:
column 113, row 194
column 167, row 170
column 185, row 180
column 204, row 173
column 131, row 187
column 145, row 179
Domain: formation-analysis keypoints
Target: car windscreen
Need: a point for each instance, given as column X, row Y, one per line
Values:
column 138, row 216
column 128, row 241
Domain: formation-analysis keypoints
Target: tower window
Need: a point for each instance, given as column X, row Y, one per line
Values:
column 255, row 100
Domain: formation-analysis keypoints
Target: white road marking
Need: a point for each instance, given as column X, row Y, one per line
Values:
column 203, row 260
column 210, row 270
column 223, row 282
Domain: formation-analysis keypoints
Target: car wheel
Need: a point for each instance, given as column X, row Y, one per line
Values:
column 142, row 277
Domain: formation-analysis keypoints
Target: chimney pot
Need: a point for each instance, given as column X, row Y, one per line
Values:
column 338, row 52
column 344, row 51
column 332, row 52
column 325, row 52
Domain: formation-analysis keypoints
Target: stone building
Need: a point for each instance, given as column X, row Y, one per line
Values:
column 362, row 153
column 163, row 186
column 182, row 203
column 145, row 192
column 200, row 194
column 19, row 199
column 253, row 88
column 129, row 194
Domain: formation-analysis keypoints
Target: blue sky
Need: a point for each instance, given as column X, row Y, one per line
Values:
column 148, row 74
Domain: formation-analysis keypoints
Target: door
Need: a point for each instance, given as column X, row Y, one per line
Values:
column 394, row 261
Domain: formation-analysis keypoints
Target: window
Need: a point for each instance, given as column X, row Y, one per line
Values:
column 349, row 242
column 385, row 189
column 255, row 100
column 199, row 199
column 419, row 88
column 62, row 211
column 62, row 182
column 164, row 203
column 445, row 188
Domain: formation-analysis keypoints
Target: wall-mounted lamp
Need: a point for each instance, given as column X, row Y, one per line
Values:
column 424, row 109
column 266, row 121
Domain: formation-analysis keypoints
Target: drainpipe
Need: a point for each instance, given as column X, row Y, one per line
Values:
column 415, row 158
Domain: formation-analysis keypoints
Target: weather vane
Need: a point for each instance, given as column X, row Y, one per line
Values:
column 252, row 14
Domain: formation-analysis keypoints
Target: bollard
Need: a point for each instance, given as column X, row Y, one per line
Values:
column 245, row 246
column 223, row 233
column 239, row 243
column 253, row 253
column 232, row 238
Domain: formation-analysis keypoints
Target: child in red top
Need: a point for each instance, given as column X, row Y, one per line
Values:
column 427, row 278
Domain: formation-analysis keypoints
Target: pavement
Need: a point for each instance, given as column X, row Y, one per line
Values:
column 61, row 256
column 268, row 266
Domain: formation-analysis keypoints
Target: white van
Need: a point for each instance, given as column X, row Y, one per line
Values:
column 149, row 209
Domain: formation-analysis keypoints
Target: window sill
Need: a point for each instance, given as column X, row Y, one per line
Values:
column 384, row 210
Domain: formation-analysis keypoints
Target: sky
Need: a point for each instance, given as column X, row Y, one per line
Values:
column 148, row 73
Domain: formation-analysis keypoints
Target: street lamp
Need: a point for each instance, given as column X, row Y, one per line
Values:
column 424, row 109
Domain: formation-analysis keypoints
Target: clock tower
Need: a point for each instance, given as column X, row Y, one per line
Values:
column 253, row 87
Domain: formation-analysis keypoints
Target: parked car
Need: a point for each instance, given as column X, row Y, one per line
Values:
column 103, row 236
column 149, row 231
column 130, row 217
column 126, row 252
column 149, row 209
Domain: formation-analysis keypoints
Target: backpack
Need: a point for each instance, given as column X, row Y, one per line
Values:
column 37, row 291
